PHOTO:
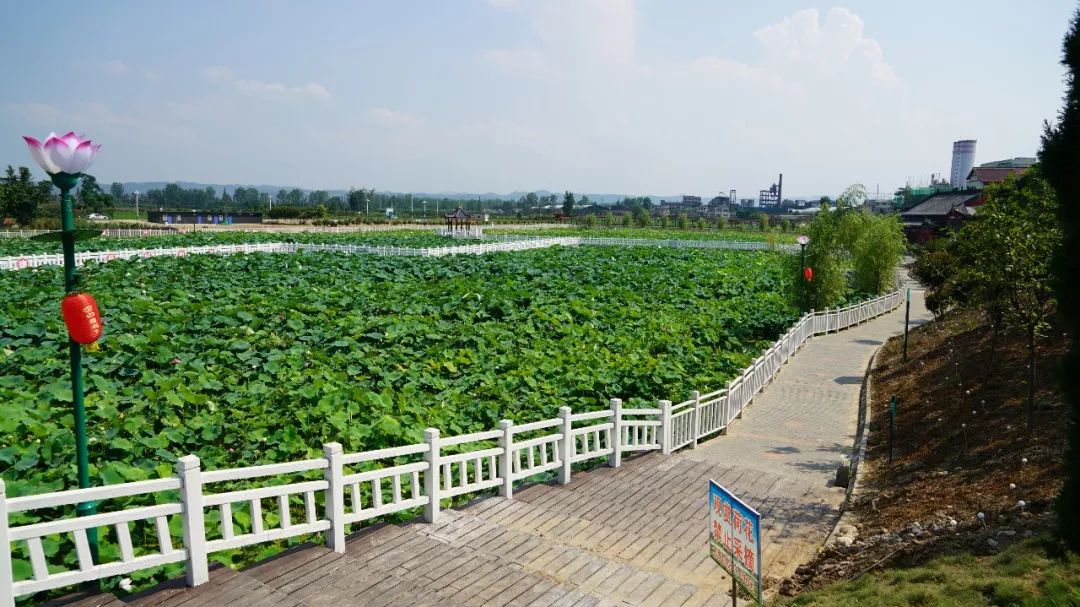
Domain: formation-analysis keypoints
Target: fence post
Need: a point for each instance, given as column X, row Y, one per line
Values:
column 566, row 447
column 615, row 459
column 665, row 427
column 191, row 500
column 696, row 417
column 7, row 593
column 431, row 479
column 506, row 468
column 335, row 497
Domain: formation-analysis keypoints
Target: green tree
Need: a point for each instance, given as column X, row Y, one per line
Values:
column 1018, row 235
column 20, row 197
column 682, row 221
column 117, row 190
column 1060, row 157
column 90, row 197
column 785, row 225
column 568, row 204
column 721, row 223
column 627, row 220
column 763, row 221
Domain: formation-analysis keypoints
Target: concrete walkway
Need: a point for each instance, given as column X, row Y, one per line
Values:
column 636, row 535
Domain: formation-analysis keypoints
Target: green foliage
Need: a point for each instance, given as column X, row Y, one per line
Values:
column 655, row 233
column 1028, row 573
column 682, row 221
column 851, row 249
column 260, row 358
column 1060, row 157
column 20, row 197
column 763, row 221
column 568, row 204
column 401, row 238
column 877, row 248
column 90, row 198
column 590, row 220
column 1000, row 261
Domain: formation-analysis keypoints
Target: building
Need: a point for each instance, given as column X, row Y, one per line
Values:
column 997, row 171
column 963, row 158
column 1020, row 162
column 938, row 212
column 691, row 201
column 203, row 217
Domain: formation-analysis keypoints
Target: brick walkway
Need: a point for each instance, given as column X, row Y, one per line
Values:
column 635, row 535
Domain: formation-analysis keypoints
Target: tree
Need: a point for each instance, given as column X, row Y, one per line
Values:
column 20, row 197
column 568, row 204
column 1017, row 236
column 296, row 196
column 1060, row 155
column 117, row 190
column 763, row 221
column 90, row 197
column 850, row 240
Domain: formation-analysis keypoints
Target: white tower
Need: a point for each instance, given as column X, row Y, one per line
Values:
column 963, row 158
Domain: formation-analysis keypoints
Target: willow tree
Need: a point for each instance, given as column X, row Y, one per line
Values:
column 852, row 250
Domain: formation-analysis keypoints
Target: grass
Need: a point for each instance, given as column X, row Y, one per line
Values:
column 1031, row 572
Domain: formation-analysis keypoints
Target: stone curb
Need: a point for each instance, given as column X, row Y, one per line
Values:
column 858, row 452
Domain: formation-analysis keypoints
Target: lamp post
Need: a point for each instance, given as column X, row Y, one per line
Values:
column 192, row 221
column 64, row 159
column 136, row 205
column 803, row 240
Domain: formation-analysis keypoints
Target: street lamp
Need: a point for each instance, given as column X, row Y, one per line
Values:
column 136, row 205
column 64, row 159
column 803, row 240
column 192, row 221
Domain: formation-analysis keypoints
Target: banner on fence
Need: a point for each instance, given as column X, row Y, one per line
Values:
column 735, row 538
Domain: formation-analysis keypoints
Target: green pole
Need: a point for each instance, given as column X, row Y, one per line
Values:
column 892, row 424
column 907, row 315
column 66, row 182
column 802, row 277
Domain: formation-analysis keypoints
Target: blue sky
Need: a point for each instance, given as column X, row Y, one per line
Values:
column 653, row 96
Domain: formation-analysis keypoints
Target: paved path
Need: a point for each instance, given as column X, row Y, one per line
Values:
column 635, row 535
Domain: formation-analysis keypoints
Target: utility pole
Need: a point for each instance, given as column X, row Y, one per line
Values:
column 136, row 205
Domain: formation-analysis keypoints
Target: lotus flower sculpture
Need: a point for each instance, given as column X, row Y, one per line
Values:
column 70, row 153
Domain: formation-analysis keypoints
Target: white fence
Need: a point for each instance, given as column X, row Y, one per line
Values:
column 109, row 232
column 19, row 262
column 375, row 483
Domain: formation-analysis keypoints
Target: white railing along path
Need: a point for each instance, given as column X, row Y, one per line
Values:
column 355, row 487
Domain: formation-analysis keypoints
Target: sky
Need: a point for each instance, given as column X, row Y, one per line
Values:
column 647, row 97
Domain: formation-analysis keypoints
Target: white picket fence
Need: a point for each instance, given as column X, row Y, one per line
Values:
column 505, row 243
column 376, row 483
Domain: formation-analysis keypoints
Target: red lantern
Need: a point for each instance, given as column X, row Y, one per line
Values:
column 808, row 274
column 82, row 317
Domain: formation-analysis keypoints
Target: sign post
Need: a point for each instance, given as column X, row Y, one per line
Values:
column 735, row 540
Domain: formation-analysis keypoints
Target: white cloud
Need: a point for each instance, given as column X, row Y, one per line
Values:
column 223, row 75
column 387, row 117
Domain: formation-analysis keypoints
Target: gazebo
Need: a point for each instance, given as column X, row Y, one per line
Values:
column 458, row 220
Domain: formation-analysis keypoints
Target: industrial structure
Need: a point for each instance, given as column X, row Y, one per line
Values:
column 772, row 196
column 963, row 158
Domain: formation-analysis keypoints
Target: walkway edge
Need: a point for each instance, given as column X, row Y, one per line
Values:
column 862, row 436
